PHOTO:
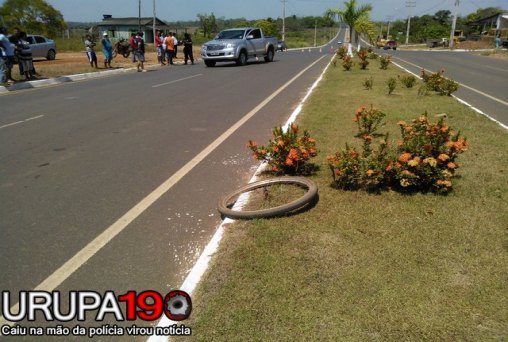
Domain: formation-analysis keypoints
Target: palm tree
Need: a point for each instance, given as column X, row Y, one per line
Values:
column 351, row 15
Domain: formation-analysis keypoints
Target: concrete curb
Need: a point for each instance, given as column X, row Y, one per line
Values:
column 70, row 78
column 62, row 79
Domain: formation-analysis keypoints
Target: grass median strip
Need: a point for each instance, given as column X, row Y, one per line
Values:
column 361, row 266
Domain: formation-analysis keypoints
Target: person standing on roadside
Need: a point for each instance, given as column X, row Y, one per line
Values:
column 7, row 56
column 132, row 46
column 139, row 52
column 24, row 56
column 158, row 47
column 90, row 53
column 107, row 50
column 187, row 48
column 175, row 45
column 170, row 48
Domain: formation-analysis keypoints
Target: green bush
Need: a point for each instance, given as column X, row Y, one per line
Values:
column 408, row 80
column 384, row 61
column 425, row 159
column 438, row 83
column 392, row 84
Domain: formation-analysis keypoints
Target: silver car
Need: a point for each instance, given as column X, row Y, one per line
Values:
column 42, row 47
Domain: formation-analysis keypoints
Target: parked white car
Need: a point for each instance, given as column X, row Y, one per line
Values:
column 42, row 47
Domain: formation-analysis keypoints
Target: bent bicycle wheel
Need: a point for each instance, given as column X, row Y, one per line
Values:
column 227, row 207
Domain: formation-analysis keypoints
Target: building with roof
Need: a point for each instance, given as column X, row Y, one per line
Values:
column 123, row 27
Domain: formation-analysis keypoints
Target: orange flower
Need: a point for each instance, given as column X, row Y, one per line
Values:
column 388, row 168
column 407, row 173
column 252, row 144
column 293, row 154
column 360, row 110
column 401, row 123
column 445, row 183
column 289, row 162
column 445, row 128
column 452, row 166
column 370, row 173
column 443, row 157
column 405, row 157
column 367, row 137
column 353, row 153
column 427, row 147
column 280, row 142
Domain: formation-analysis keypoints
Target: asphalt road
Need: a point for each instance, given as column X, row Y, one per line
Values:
column 483, row 80
column 112, row 183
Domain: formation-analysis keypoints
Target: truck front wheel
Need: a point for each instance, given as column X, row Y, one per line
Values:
column 242, row 58
column 269, row 55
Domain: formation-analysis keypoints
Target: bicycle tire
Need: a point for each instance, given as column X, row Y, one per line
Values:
column 226, row 202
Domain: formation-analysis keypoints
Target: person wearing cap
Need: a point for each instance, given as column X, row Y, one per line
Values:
column 107, row 50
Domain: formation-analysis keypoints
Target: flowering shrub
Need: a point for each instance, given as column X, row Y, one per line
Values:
column 437, row 82
column 354, row 170
column 341, row 52
column 347, row 62
column 425, row 159
column 286, row 153
column 426, row 156
column 384, row 61
column 363, row 54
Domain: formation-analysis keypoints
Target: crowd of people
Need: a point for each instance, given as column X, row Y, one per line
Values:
column 15, row 47
column 166, row 47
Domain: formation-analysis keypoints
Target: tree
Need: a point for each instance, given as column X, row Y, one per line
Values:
column 351, row 15
column 208, row 24
column 33, row 16
column 269, row 27
column 443, row 17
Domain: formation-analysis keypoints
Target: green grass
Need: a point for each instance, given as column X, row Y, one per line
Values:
column 366, row 267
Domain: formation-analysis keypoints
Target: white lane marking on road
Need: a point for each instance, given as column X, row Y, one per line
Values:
column 175, row 81
column 201, row 265
column 463, row 85
column 456, row 97
column 22, row 121
column 65, row 271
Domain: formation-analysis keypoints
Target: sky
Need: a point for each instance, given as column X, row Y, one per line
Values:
column 175, row 10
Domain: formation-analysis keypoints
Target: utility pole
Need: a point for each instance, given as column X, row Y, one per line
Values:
column 409, row 5
column 389, row 18
column 283, row 19
column 139, row 16
column 315, row 33
column 153, row 26
column 454, row 23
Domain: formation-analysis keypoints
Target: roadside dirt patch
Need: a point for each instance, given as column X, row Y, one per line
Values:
column 71, row 63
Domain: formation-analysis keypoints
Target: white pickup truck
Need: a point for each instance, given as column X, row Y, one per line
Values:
column 238, row 45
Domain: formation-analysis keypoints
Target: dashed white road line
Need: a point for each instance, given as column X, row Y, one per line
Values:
column 175, row 81
column 22, row 121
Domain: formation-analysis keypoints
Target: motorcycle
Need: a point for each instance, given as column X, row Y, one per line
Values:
column 122, row 47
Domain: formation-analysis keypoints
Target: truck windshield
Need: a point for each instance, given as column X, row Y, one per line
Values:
column 230, row 34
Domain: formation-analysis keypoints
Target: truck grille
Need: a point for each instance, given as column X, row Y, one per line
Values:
column 214, row 47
